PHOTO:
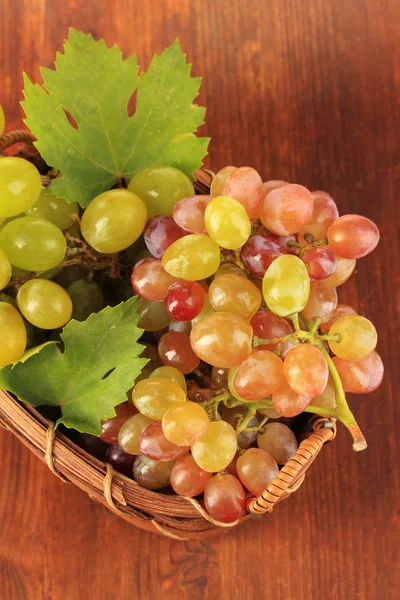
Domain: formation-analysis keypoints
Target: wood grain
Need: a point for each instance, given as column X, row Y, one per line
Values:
column 304, row 91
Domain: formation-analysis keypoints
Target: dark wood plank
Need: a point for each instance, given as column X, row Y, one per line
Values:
column 307, row 92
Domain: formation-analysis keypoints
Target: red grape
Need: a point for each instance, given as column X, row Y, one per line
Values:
column 286, row 209
column 306, row 370
column 287, row 402
column 258, row 253
column 322, row 301
column 120, row 461
column 154, row 444
column 320, row 261
column 189, row 213
column 176, row 351
column 246, row 186
column 256, row 470
column 160, row 232
column 151, row 281
column 279, row 441
column 267, row 325
column 187, row 478
column 353, row 374
column 353, row 236
column 219, row 377
column 324, row 213
column 233, row 416
column 110, row 427
column 273, row 184
column 374, row 365
column 259, row 375
column 185, row 300
column 224, row 498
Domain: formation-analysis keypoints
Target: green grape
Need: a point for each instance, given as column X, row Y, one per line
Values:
column 172, row 374
column 4, row 222
column 153, row 397
column 6, row 298
column 2, row 120
column 286, row 285
column 12, row 334
column 153, row 315
column 185, row 423
column 358, row 337
column 152, row 474
column 5, row 270
column 192, row 257
column 44, row 303
column 128, row 436
column 160, row 188
column 216, row 449
column 20, row 185
column 87, row 298
column 54, row 209
column 113, row 221
column 227, row 222
column 33, row 244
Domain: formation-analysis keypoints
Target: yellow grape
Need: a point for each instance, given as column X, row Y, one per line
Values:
column 154, row 396
column 227, row 222
column 358, row 337
column 128, row 436
column 344, row 270
column 234, row 294
column 172, row 374
column 222, row 339
column 216, row 449
column 114, row 220
column 230, row 268
column 153, row 315
column 5, row 269
column 54, row 209
column 20, row 185
column 185, row 423
column 217, row 185
column 44, row 303
column 12, row 334
column 286, row 285
column 192, row 257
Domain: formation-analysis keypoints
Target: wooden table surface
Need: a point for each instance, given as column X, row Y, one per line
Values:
column 303, row 91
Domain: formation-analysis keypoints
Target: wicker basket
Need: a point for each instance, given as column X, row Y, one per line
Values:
column 174, row 516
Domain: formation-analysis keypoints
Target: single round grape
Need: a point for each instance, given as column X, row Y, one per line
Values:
column 113, row 220
column 152, row 474
column 111, row 427
column 92, row 444
column 154, row 396
column 354, row 375
column 285, row 210
column 160, row 232
column 273, row 184
column 344, row 270
column 266, row 325
column 2, row 120
column 224, row 498
column 328, row 397
column 154, row 444
column 44, row 303
column 227, row 222
column 342, row 310
column 375, row 368
column 230, row 268
column 12, row 334
column 286, row 285
column 187, row 478
column 218, row 182
column 119, row 460
column 287, row 402
column 189, row 213
column 70, row 274
column 54, row 209
column 185, row 424
column 324, row 213
column 322, row 301
column 175, row 350
column 233, row 416
column 287, row 242
column 246, row 186
column 207, row 309
column 193, row 257
column 151, row 281
column 279, row 440
column 33, row 244
column 222, row 339
column 128, row 435
column 153, row 315
column 185, row 300
column 219, row 377
column 5, row 269
column 320, row 261
column 271, row 413
column 161, row 187
column 231, row 378
column 180, row 326
column 358, row 337
column 172, row 374
column 259, row 375
column 259, row 252
column 353, row 236
column 256, row 469
column 215, row 450
column 231, row 468
column 233, row 294
column 20, row 185
column 87, row 298
column 306, row 370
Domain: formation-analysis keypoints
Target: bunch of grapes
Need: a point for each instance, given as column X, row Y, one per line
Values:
column 238, row 303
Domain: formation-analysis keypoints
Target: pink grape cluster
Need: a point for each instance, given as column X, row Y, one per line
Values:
column 222, row 285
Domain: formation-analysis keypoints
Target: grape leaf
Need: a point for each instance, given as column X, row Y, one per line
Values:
column 94, row 84
column 98, row 366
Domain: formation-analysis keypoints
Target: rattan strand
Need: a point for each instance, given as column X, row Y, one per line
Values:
column 15, row 137
column 50, row 437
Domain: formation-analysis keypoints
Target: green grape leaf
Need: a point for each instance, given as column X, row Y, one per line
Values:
column 99, row 365
column 94, row 84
